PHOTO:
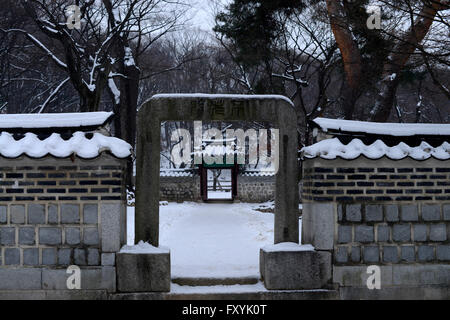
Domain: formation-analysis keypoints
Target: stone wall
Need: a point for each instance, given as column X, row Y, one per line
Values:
column 393, row 214
column 381, row 180
column 250, row 188
column 256, row 188
column 393, row 233
column 60, row 212
column 180, row 188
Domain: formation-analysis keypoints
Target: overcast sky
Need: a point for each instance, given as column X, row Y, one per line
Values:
column 203, row 13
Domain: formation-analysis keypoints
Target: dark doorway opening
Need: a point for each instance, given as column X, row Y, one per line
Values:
column 218, row 182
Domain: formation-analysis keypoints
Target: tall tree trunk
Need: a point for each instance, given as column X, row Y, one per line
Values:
column 396, row 61
column 129, row 89
column 90, row 100
column 351, row 55
column 125, row 111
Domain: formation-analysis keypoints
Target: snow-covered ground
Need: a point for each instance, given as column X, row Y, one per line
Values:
column 215, row 195
column 212, row 240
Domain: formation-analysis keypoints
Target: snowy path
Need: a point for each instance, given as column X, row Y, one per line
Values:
column 213, row 240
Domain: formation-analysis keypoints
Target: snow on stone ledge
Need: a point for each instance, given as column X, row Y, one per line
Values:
column 392, row 129
column 54, row 145
column 333, row 148
column 143, row 248
column 53, row 120
column 288, row 247
column 221, row 96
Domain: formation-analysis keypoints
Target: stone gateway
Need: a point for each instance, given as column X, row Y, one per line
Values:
column 275, row 109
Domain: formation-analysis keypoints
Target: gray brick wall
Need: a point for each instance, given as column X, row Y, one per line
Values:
column 179, row 188
column 383, row 180
column 50, row 210
column 387, row 212
column 419, row 234
column 256, row 188
column 250, row 188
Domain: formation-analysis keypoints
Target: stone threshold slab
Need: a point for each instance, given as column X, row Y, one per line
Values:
column 205, row 281
column 267, row 295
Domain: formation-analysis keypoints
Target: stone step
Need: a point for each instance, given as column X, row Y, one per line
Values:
column 205, row 281
column 228, row 296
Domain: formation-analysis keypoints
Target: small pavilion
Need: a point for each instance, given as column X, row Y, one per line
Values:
column 219, row 169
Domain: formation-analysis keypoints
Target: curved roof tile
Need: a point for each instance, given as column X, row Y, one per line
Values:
column 333, row 148
column 56, row 146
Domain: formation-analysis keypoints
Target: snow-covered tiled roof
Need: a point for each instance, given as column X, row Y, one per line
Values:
column 392, row 129
column 176, row 173
column 333, row 148
column 258, row 173
column 218, row 150
column 78, row 145
column 53, row 120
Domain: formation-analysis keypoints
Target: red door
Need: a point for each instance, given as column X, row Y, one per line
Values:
column 234, row 175
column 203, row 182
